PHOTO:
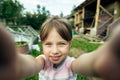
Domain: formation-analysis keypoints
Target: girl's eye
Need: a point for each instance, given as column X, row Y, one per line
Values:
column 48, row 44
column 62, row 43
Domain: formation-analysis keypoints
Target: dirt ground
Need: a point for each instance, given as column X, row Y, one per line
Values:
column 75, row 52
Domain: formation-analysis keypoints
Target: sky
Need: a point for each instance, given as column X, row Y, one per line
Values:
column 54, row 6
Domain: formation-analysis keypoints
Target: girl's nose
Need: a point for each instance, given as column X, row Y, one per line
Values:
column 55, row 49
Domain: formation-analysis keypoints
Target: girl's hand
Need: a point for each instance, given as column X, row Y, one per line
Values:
column 7, row 56
column 108, row 58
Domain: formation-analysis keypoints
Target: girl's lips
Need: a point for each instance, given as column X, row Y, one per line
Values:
column 55, row 58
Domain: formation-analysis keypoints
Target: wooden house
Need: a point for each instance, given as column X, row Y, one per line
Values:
column 96, row 17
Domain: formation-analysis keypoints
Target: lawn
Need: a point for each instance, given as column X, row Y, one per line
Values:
column 77, row 45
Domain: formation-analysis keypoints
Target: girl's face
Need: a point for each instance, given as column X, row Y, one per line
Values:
column 55, row 48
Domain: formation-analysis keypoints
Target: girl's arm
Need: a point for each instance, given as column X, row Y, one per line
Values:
column 14, row 66
column 28, row 65
column 103, row 62
column 83, row 65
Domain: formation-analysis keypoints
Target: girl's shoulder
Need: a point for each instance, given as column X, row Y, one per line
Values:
column 69, row 60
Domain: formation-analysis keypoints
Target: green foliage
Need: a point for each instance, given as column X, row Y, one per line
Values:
column 80, row 77
column 35, row 20
column 10, row 10
column 35, row 53
column 72, row 24
column 21, row 43
column 72, row 11
column 35, row 77
column 61, row 15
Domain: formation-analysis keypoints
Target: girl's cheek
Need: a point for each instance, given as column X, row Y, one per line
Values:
column 45, row 50
column 65, row 50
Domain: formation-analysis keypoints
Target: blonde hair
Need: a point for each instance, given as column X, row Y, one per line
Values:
column 60, row 24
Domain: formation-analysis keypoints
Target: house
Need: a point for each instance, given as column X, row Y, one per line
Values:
column 97, row 17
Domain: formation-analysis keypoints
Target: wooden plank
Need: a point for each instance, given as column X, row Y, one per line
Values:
column 97, row 13
column 106, row 11
column 83, row 12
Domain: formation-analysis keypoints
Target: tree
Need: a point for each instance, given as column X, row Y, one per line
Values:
column 37, row 18
column 61, row 14
column 9, row 10
column 38, row 9
column 72, row 11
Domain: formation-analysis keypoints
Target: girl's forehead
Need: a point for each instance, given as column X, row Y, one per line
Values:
column 54, row 36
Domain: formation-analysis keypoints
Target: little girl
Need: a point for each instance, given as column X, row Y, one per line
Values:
column 55, row 64
column 56, row 40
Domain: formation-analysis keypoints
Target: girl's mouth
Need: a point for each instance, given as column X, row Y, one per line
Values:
column 55, row 58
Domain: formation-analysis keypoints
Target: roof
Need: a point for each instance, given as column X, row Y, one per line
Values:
column 88, row 2
column 85, row 3
column 24, row 33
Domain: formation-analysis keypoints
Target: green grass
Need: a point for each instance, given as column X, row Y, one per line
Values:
column 88, row 47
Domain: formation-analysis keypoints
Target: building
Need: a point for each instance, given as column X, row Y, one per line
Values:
column 26, row 34
column 97, row 17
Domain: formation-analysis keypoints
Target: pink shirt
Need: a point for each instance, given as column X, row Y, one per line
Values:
column 62, row 72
